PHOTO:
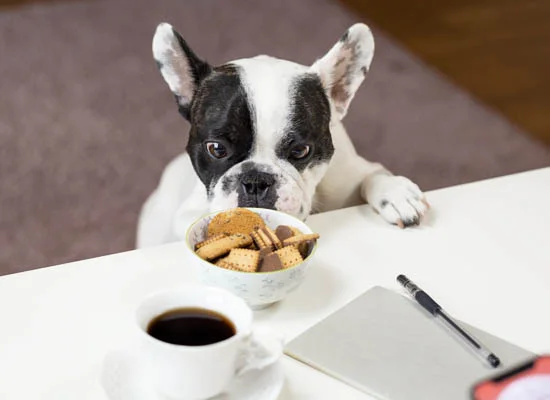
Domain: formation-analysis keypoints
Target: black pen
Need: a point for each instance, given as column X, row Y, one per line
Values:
column 435, row 309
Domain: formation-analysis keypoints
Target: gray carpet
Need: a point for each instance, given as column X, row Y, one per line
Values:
column 86, row 124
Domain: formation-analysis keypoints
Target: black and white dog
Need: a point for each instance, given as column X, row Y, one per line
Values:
column 268, row 133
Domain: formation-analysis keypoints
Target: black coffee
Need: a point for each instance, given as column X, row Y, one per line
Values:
column 191, row 327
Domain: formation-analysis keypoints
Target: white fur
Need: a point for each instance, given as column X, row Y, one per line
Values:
column 175, row 70
column 347, row 180
column 267, row 81
column 333, row 68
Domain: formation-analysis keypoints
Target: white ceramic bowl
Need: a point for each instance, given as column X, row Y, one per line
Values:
column 258, row 289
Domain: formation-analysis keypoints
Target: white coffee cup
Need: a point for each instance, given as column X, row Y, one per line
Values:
column 198, row 372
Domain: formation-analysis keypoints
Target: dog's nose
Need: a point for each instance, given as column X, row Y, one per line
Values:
column 257, row 184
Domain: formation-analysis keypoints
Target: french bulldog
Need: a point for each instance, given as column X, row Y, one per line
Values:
column 268, row 133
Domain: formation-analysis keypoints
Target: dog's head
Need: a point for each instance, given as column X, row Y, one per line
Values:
column 261, row 127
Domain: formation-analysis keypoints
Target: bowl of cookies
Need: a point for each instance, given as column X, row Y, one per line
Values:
column 258, row 254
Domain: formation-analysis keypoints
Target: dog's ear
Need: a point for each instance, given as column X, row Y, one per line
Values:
column 180, row 67
column 345, row 66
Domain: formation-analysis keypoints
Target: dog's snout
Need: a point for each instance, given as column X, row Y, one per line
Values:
column 257, row 184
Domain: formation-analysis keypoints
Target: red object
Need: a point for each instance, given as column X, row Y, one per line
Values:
column 491, row 389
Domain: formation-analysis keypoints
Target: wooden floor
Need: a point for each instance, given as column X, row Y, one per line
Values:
column 498, row 50
column 13, row 3
column 6, row 4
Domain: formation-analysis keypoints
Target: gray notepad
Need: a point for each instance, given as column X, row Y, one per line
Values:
column 388, row 346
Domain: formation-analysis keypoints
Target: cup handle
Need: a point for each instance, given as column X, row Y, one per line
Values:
column 261, row 349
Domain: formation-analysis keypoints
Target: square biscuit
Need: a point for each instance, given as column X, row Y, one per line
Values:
column 245, row 260
column 289, row 256
column 223, row 246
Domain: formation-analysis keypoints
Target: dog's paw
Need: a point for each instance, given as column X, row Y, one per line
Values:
column 397, row 199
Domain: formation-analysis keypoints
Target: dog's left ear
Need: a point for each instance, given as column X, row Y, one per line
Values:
column 179, row 66
column 345, row 66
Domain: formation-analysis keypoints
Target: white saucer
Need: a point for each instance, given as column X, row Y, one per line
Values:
column 122, row 379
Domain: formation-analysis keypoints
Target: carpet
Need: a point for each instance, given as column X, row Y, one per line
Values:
column 87, row 125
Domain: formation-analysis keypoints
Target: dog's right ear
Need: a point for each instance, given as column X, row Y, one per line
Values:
column 345, row 66
column 180, row 67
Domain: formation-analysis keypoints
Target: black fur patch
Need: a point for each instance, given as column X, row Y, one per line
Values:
column 344, row 36
column 309, row 123
column 220, row 112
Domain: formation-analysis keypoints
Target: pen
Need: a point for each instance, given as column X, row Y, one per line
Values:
column 436, row 310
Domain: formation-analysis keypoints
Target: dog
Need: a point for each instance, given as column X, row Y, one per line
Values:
column 268, row 133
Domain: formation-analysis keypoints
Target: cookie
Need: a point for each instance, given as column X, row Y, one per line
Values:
column 238, row 220
column 306, row 248
column 284, row 232
column 304, row 243
column 271, row 263
column 264, row 252
column 277, row 243
column 266, row 238
column 271, row 237
column 243, row 259
column 223, row 245
column 259, row 241
column 209, row 240
column 289, row 256
column 298, row 239
column 223, row 263
column 262, row 239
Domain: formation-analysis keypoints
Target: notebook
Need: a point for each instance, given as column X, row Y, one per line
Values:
column 391, row 348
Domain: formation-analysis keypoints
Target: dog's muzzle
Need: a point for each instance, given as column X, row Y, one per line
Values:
column 257, row 189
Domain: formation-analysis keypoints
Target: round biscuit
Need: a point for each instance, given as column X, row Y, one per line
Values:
column 237, row 220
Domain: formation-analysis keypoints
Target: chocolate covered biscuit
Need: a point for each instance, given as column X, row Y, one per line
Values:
column 284, row 232
column 271, row 263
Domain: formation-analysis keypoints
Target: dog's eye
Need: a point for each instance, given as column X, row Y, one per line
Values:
column 216, row 150
column 300, row 151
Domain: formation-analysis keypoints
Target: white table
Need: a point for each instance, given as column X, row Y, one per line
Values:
column 484, row 253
